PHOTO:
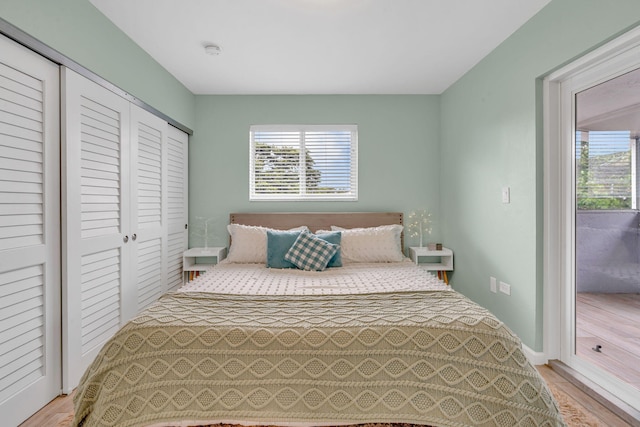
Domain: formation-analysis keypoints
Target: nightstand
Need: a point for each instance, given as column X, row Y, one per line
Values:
column 440, row 260
column 190, row 265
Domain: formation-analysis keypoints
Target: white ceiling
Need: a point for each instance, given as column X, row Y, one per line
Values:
column 611, row 105
column 319, row 46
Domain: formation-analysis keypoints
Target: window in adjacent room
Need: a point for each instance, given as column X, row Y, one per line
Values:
column 605, row 170
column 304, row 162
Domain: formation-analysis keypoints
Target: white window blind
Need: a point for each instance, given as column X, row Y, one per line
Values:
column 605, row 170
column 310, row 162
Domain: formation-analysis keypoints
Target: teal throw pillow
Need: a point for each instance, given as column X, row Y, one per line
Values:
column 334, row 237
column 278, row 244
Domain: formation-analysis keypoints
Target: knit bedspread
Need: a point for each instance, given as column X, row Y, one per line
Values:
column 432, row 358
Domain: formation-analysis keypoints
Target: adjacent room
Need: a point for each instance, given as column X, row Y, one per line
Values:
column 607, row 228
column 485, row 152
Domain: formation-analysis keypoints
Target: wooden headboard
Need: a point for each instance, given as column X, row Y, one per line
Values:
column 317, row 220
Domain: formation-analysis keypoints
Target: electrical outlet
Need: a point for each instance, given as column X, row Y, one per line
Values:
column 492, row 284
column 505, row 288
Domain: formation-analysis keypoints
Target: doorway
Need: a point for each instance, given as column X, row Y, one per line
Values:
column 592, row 227
column 607, row 233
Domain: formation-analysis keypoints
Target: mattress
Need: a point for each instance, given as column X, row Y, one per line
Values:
column 352, row 278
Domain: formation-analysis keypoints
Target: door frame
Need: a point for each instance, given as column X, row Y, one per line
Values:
column 606, row 62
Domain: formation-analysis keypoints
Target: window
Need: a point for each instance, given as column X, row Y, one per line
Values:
column 605, row 170
column 293, row 162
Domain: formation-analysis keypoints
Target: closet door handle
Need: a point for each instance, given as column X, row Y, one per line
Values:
column 125, row 239
column 134, row 236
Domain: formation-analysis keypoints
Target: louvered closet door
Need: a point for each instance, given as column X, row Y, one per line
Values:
column 29, row 233
column 96, row 242
column 148, row 206
column 177, row 202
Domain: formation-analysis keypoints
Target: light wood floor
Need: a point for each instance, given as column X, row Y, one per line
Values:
column 55, row 414
column 613, row 322
column 582, row 400
column 60, row 409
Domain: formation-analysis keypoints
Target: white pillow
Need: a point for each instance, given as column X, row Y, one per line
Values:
column 374, row 244
column 249, row 243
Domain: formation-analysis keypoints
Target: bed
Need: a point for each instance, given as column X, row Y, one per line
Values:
column 368, row 338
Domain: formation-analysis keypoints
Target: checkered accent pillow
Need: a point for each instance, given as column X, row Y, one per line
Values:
column 309, row 252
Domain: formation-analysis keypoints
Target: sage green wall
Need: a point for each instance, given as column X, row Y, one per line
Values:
column 398, row 152
column 491, row 137
column 485, row 131
column 79, row 31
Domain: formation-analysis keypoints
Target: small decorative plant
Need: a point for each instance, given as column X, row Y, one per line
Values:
column 203, row 229
column 419, row 224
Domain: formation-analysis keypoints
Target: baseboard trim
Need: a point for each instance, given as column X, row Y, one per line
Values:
column 628, row 413
column 535, row 357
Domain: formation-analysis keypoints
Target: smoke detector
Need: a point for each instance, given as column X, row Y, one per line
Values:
column 212, row 49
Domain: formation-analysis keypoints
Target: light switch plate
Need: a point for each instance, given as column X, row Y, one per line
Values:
column 506, row 195
column 492, row 284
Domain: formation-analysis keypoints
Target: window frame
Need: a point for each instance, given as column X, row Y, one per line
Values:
column 302, row 194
